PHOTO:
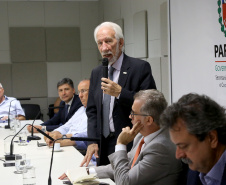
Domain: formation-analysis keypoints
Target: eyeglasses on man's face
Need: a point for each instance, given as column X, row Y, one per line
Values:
column 82, row 91
column 132, row 114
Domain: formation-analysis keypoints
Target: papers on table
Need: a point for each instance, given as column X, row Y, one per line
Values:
column 79, row 176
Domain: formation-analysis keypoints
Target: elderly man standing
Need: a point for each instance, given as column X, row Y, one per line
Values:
column 15, row 107
column 110, row 100
column 152, row 158
column 197, row 126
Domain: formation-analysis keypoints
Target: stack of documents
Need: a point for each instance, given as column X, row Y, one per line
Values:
column 79, row 176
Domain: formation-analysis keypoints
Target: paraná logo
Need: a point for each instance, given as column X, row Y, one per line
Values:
column 222, row 15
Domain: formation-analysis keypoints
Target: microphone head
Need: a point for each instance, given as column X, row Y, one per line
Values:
column 105, row 62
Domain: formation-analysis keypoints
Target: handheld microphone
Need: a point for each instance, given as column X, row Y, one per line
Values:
column 72, row 139
column 8, row 126
column 105, row 67
column 32, row 136
column 11, row 156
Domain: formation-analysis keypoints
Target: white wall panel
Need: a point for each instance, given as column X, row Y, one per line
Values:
column 129, row 49
column 59, row 70
column 26, row 14
column 4, row 57
column 156, row 71
column 166, row 81
column 4, row 34
column 61, row 13
column 164, row 29
column 154, row 49
column 140, row 34
column 112, row 10
column 88, row 22
column 89, row 62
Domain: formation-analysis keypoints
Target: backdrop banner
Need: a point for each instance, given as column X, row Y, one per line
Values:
column 198, row 48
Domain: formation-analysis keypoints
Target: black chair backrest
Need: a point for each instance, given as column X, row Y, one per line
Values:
column 31, row 111
column 51, row 111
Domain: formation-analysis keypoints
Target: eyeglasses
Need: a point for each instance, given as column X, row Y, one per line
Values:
column 82, row 91
column 132, row 114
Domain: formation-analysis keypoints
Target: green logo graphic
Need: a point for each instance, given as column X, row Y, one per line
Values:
column 222, row 15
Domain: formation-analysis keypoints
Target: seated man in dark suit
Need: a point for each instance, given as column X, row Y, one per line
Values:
column 69, row 105
column 197, row 126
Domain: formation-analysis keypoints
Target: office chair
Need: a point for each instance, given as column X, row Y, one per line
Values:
column 31, row 111
column 50, row 111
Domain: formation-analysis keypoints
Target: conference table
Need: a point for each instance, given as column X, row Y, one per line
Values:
column 39, row 157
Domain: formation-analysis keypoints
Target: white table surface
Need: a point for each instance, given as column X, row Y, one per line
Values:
column 40, row 158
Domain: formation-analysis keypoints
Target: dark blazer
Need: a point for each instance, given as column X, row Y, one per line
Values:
column 193, row 178
column 135, row 75
column 59, row 118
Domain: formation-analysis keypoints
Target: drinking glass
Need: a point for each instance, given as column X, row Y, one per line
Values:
column 29, row 177
column 12, row 120
column 20, row 163
column 23, row 138
column 17, row 126
column 7, row 143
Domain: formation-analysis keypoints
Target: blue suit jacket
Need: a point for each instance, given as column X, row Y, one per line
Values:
column 59, row 118
column 193, row 178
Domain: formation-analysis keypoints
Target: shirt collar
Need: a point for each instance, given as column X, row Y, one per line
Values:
column 151, row 136
column 70, row 102
column 117, row 65
column 217, row 171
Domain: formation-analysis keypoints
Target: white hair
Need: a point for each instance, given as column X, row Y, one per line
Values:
column 1, row 85
column 115, row 27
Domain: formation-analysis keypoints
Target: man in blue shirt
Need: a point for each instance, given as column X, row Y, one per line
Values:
column 197, row 126
column 15, row 107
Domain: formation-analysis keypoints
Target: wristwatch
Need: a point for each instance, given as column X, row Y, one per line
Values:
column 64, row 136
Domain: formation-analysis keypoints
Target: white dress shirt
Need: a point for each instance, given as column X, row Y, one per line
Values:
column 76, row 124
column 117, row 65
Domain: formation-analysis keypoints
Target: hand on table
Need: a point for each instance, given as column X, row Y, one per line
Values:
column 29, row 127
column 92, row 149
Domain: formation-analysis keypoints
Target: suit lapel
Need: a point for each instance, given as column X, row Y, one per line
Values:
column 124, row 71
column 100, row 92
column 146, row 146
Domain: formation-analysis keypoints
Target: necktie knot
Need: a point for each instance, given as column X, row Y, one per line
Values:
column 111, row 70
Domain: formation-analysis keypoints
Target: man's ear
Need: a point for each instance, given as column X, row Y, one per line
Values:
column 213, row 138
column 121, row 43
column 149, row 120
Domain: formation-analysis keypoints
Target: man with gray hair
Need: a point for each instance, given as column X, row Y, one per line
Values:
column 151, row 159
column 6, row 102
column 110, row 99
column 197, row 126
